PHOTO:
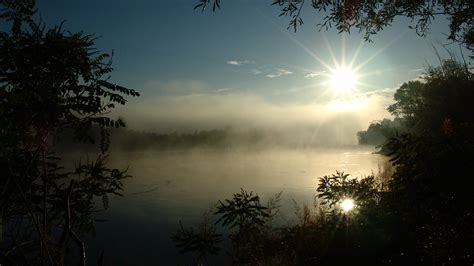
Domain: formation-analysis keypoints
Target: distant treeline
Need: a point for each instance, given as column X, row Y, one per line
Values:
column 379, row 132
column 128, row 140
column 216, row 138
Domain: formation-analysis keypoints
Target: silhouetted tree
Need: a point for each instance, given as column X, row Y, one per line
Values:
column 50, row 80
column 408, row 100
column 204, row 242
column 429, row 191
column 379, row 132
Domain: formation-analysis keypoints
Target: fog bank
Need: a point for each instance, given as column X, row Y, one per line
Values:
column 198, row 108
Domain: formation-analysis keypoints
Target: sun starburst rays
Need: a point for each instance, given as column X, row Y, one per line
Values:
column 357, row 82
column 344, row 79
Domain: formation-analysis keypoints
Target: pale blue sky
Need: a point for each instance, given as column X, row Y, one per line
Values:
column 168, row 40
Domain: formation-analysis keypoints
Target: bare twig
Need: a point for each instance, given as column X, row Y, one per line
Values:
column 37, row 227
column 44, row 197
column 68, row 229
column 101, row 259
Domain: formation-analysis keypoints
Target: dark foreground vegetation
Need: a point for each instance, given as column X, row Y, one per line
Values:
column 420, row 215
column 51, row 80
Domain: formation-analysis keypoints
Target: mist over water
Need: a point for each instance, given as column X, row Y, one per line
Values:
column 195, row 106
column 172, row 186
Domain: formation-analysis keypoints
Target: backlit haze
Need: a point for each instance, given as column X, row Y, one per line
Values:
column 240, row 67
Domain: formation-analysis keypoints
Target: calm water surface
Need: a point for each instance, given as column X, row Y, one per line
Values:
column 172, row 186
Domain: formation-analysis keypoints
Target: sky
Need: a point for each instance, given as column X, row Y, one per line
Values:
column 241, row 65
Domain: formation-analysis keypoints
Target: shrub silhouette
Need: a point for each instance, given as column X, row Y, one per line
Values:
column 243, row 211
column 204, row 242
column 51, row 80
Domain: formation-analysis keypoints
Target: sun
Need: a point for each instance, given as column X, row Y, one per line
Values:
column 343, row 81
column 347, row 205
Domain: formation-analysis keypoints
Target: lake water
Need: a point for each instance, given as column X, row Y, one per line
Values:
column 172, row 186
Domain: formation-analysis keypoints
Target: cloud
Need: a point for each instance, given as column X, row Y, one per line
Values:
column 234, row 63
column 421, row 78
column 240, row 63
column 383, row 97
column 313, row 75
column 386, row 92
column 223, row 90
column 256, row 72
column 280, row 72
column 273, row 73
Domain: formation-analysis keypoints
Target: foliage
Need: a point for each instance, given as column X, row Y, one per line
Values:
column 436, row 106
column 273, row 206
column 243, row 211
column 336, row 187
column 134, row 140
column 437, row 103
column 54, row 79
column 204, row 242
column 293, row 9
column 318, row 238
column 203, row 4
column 51, row 80
column 408, row 99
column 370, row 17
column 126, row 139
column 379, row 132
column 428, row 195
